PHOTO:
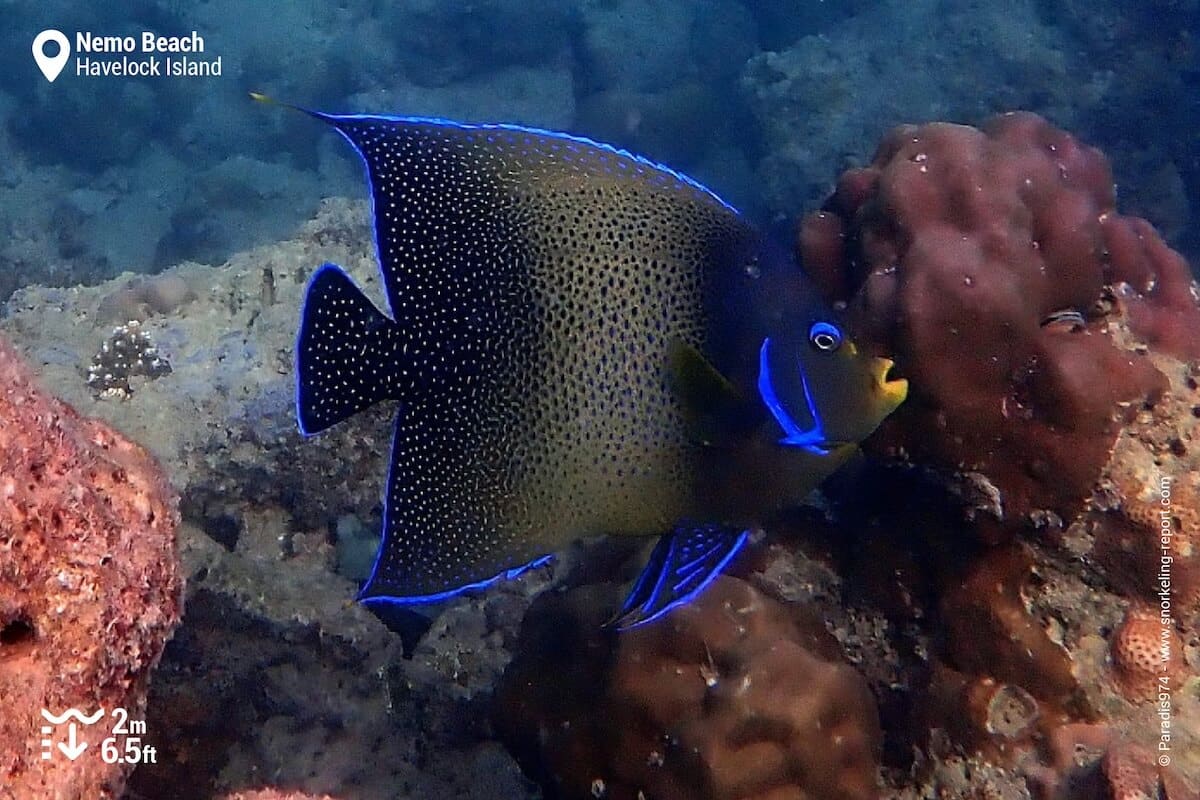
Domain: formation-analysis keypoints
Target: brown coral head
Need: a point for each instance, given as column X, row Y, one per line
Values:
column 736, row 695
column 90, row 580
column 984, row 261
column 990, row 631
column 1155, row 285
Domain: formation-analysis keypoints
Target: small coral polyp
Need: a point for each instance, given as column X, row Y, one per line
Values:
column 1138, row 648
column 993, row 265
column 128, row 353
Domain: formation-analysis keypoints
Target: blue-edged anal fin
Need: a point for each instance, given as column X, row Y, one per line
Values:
column 345, row 352
column 681, row 566
column 448, row 522
column 446, row 500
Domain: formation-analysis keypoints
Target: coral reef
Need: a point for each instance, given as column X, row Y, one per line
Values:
column 230, row 356
column 993, row 265
column 90, row 583
column 273, row 659
column 1089, row 761
column 978, row 659
column 991, row 654
column 1143, row 530
column 1050, row 343
column 733, row 696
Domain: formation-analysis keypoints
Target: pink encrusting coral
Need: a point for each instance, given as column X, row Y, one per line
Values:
column 1138, row 647
column 992, row 265
column 90, row 587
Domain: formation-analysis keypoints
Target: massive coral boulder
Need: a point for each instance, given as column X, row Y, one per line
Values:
column 735, row 696
column 90, row 588
column 1052, row 348
column 995, row 268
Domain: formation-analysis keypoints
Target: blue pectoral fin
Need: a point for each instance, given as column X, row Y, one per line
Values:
column 682, row 564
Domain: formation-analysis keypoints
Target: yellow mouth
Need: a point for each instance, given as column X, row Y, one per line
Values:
column 893, row 390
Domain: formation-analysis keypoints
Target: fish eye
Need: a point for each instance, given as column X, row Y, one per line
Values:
column 825, row 337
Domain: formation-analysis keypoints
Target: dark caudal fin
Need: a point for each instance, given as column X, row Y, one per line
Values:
column 683, row 564
column 346, row 352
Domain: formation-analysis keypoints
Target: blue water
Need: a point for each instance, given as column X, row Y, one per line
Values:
column 765, row 101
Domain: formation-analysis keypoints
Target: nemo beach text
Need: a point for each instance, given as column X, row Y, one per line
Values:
column 151, row 64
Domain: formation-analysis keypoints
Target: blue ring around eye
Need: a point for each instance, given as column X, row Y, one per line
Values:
column 820, row 330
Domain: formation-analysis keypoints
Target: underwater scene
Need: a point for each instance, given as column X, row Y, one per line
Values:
column 600, row 400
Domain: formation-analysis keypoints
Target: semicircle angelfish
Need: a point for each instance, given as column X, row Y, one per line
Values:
column 540, row 287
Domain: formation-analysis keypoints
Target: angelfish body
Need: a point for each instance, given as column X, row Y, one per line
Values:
column 555, row 306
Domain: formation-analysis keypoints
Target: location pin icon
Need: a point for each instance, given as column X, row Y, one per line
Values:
column 51, row 65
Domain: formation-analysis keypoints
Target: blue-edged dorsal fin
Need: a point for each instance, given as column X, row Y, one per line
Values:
column 346, row 357
column 442, row 190
column 682, row 564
